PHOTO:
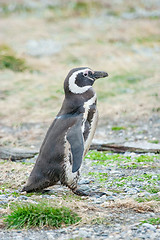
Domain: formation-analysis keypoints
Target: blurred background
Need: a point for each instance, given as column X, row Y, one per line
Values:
column 42, row 40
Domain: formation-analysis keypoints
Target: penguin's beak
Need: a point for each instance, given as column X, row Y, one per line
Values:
column 99, row 74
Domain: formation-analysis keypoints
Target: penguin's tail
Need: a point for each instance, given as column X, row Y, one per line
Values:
column 35, row 187
column 35, row 184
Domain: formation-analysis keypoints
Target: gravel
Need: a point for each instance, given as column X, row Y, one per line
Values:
column 117, row 223
column 145, row 231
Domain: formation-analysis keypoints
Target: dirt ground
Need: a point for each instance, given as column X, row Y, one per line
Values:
column 56, row 38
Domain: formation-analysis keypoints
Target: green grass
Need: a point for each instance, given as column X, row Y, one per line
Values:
column 126, row 78
column 148, row 39
column 17, row 8
column 102, row 95
column 152, row 189
column 153, row 221
column 8, row 60
column 3, row 186
column 118, row 128
column 121, row 161
column 101, row 177
column 122, row 83
column 39, row 215
column 147, row 199
column 151, row 184
column 154, row 141
column 75, row 8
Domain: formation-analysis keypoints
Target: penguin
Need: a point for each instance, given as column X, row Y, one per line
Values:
column 69, row 137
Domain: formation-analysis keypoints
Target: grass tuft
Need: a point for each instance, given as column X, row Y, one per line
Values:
column 8, row 60
column 154, row 221
column 39, row 215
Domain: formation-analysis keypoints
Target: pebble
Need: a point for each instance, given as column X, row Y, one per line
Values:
column 22, row 198
column 3, row 197
column 86, row 181
column 149, row 226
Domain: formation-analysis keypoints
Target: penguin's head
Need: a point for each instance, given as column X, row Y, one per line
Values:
column 79, row 80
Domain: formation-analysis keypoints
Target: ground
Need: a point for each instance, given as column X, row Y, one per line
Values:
column 40, row 42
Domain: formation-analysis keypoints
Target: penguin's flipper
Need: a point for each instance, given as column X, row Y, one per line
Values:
column 75, row 138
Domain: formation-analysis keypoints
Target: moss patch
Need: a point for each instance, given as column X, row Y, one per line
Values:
column 121, row 161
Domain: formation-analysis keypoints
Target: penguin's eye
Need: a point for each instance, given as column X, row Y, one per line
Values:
column 85, row 74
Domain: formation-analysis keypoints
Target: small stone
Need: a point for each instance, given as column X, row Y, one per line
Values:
column 3, row 197
column 22, row 198
column 84, row 181
column 98, row 201
column 152, row 214
column 110, row 198
column 84, row 233
column 48, row 196
column 104, row 234
column 11, row 198
column 84, row 188
column 3, row 202
column 104, row 198
column 134, row 228
column 109, row 193
column 149, row 226
column 132, row 191
column 144, row 194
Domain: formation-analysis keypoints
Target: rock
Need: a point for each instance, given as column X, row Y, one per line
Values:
column 84, row 188
column 3, row 202
column 144, row 194
column 84, row 234
column 85, row 181
column 110, row 198
column 3, row 197
column 22, row 197
column 132, row 191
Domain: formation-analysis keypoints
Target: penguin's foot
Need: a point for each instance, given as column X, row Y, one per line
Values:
column 100, row 194
column 46, row 191
column 79, row 192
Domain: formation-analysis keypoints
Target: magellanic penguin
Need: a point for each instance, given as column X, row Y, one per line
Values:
column 69, row 137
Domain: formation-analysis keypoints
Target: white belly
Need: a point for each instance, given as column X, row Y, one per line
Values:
column 91, row 133
column 93, row 123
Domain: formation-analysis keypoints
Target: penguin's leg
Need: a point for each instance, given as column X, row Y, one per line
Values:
column 70, row 180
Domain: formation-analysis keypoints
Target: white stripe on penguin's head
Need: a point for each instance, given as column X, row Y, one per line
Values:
column 73, row 87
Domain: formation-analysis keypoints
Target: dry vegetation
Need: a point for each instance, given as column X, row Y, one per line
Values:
column 91, row 34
